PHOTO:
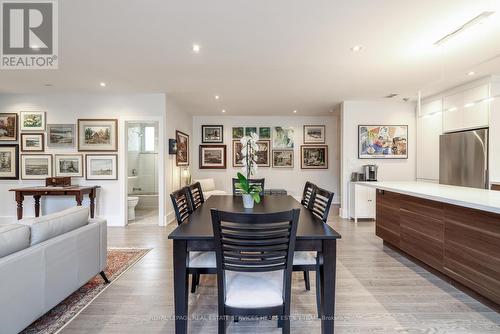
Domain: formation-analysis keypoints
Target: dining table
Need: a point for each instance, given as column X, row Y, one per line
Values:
column 196, row 234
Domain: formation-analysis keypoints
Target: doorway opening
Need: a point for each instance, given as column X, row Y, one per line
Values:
column 142, row 172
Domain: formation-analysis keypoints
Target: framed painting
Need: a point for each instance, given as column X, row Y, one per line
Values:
column 314, row 157
column 36, row 166
column 97, row 135
column 250, row 130
column 283, row 137
column 237, row 155
column 101, row 167
column 32, row 120
column 9, row 162
column 32, row 142
column 212, row 156
column 212, row 134
column 61, row 135
column 238, row 132
column 383, row 141
column 283, row 158
column 264, row 153
column 265, row 132
column 314, row 134
column 8, row 126
column 68, row 165
column 182, row 155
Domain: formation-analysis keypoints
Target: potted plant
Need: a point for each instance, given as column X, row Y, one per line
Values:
column 250, row 192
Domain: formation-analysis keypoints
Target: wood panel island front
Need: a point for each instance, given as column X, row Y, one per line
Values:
column 454, row 230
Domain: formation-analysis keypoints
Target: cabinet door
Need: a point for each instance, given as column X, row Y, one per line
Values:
column 476, row 116
column 429, row 128
column 363, row 200
column 452, row 120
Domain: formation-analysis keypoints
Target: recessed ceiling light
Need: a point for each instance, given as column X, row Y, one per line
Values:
column 196, row 48
column 223, row 110
column 471, row 73
column 48, row 85
column 217, row 97
column 102, row 84
column 295, row 111
column 356, row 48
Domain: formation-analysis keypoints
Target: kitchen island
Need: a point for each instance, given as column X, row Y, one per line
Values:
column 454, row 230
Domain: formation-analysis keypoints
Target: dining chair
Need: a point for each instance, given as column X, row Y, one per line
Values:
column 199, row 262
column 196, row 195
column 309, row 189
column 319, row 204
column 254, row 264
column 258, row 182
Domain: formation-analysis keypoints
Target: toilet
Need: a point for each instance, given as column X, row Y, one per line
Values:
column 132, row 203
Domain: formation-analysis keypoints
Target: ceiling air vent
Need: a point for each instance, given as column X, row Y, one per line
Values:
column 390, row 96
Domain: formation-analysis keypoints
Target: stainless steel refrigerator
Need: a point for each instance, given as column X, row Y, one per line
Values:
column 463, row 159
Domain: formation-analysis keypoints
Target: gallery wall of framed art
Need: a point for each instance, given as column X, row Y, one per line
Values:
column 282, row 140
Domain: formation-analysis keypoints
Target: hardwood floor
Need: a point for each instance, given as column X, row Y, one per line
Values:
column 378, row 291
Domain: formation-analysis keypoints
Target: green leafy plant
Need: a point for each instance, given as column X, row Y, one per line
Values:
column 247, row 188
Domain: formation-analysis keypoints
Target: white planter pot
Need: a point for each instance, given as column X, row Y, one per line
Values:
column 247, row 201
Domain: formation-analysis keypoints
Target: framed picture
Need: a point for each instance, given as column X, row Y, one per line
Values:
column 101, row 167
column 182, row 156
column 8, row 126
column 264, row 153
column 212, row 133
column 32, row 120
column 283, row 138
column 32, row 142
column 212, row 156
column 314, row 157
column 383, row 141
column 265, row 132
column 9, row 162
column 36, row 166
column 61, row 135
column 68, row 165
column 237, row 156
column 97, row 135
column 282, row 158
column 238, row 132
column 250, row 130
column 314, row 134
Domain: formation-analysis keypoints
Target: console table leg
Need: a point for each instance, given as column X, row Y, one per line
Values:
column 37, row 205
column 79, row 200
column 92, row 203
column 19, row 200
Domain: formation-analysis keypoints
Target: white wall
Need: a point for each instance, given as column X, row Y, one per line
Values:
column 67, row 108
column 283, row 178
column 182, row 121
column 356, row 113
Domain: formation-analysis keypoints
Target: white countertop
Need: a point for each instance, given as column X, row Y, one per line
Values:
column 481, row 199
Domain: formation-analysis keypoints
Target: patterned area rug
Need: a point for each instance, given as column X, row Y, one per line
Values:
column 119, row 260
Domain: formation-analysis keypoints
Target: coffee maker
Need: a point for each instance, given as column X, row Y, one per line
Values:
column 370, row 172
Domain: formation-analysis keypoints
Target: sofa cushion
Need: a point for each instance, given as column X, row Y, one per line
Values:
column 50, row 226
column 206, row 184
column 13, row 238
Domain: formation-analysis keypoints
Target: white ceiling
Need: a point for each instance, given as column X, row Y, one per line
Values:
column 266, row 56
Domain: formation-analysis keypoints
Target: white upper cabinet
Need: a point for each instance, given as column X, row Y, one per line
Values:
column 465, row 110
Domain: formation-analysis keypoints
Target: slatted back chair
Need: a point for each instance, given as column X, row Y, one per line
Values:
column 196, row 195
column 259, row 182
column 182, row 204
column 320, row 203
column 254, row 255
column 309, row 189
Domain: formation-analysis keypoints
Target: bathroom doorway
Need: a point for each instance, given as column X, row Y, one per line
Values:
column 142, row 172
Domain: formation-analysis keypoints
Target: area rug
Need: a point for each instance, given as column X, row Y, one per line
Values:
column 119, row 261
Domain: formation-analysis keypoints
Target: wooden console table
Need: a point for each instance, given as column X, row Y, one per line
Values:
column 38, row 192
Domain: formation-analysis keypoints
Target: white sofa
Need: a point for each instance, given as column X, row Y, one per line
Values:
column 43, row 260
column 208, row 187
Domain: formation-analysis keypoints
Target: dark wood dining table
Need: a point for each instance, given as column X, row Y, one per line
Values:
column 197, row 235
